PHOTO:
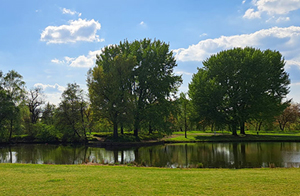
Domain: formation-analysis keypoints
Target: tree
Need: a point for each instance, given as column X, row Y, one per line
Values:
column 69, row 114
column 155, row 81
column 14, row 87
column 48, row 114
column 288, row 116
column 241, row 83
column 34, row 100
column 110, row 87
column 151, row 81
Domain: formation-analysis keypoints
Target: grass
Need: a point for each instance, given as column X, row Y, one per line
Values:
column 20, row 179
column 200, row 136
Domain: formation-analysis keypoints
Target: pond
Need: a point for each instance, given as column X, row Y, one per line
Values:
column 211, row 155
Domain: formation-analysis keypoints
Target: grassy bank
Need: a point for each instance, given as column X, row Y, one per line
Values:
column 197, row 136
column 19, row 179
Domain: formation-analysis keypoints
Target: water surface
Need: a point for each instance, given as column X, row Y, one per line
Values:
column 211, row 155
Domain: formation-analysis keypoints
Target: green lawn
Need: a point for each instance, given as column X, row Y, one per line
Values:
column 21, row 179
column 199, row 136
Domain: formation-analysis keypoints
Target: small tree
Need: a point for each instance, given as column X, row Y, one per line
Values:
column 288, row 116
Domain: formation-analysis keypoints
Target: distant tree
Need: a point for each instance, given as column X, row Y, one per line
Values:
column 69, row 114
column 290, row 115
column 13, row 87
column 238, row 84
column 48, row 112
column 34, row 100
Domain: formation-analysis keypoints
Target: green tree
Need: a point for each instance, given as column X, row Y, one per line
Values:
column 241, row 83
column 154, row 79
column 110, row 87
column 48, row 112
column 69, row 114
column 14, row 88
column 151, row 81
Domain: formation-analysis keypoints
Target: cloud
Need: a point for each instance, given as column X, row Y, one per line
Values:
column 203, row 35
column 282, row 19
column 286, row 40
column 76, row 30
column 80, row 61
column 183, row 73
column 244, row 2
column 272, row 8
column 47, row 86
column 250, row 14
column 68, row 11
column 142, row 23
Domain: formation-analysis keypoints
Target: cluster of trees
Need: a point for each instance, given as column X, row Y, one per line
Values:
column 24, row 112
column 133, row 87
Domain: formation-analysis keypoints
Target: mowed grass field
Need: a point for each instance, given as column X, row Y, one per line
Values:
column 29, row 179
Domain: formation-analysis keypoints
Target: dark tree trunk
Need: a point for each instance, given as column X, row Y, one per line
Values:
column 11, row 130
column 115, row 134
column 122, row 130
column 233, row 127
column 242, row 131
column 150, row 129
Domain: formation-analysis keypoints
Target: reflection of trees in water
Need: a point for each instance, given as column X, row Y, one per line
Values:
column 228, row 155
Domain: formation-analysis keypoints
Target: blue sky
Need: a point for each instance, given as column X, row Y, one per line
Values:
column 52, row 43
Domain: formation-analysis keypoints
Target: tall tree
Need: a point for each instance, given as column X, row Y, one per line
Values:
column 151, row 79
column 155, row 81
column 69, row 114
column 242, row 84
column 110, row 86
column 14, row 87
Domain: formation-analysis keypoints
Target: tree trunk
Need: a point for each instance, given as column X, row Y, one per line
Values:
column 150, row 129
column 233, row 127
column 115, row 134
column 122, row 129
column 11, row 129
column 242, row 131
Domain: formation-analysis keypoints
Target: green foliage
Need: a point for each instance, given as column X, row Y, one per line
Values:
column 45, row 133
column 239, row 84
column 132, row 85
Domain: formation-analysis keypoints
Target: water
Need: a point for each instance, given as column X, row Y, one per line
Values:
column 211, row 155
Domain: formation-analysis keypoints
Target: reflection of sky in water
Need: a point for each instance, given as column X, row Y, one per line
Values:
column 211, row 155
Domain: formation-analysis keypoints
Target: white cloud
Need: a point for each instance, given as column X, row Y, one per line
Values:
column 68, row 11
column 46, row 86
column 250, row 14
column 244, row 2
column 80, row 61
column 282, row 19
column 203, row 35
column 76, row 30
column 142, row 23
column 183, row 73
column 286, row 40
column 272, row 8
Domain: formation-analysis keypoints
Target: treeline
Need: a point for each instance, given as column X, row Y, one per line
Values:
column 133, row 89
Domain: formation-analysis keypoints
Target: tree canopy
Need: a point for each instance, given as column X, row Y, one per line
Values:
column 238, row 84
column 133, row 79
